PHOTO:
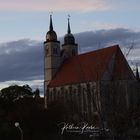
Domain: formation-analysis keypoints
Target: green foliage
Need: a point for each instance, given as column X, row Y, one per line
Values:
column 28, row 111
column 12, row 93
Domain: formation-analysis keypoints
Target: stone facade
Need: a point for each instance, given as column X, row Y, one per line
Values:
column 84, row 97
column 119, row 97
column 97, row 99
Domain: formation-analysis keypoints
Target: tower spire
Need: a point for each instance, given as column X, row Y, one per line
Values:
column 51, row 24
column 69, row 30
column 51, row 34
column 137, row 73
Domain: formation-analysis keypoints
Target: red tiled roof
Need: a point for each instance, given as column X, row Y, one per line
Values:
column 86, row 67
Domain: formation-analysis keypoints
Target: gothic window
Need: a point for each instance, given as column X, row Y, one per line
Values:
column 58, row 95
column 70, row 92
column 67, row 95
column 85, row 101
column 54, row 92
column 62, row 93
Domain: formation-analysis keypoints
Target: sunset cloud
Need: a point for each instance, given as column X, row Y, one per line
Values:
column 54, row 5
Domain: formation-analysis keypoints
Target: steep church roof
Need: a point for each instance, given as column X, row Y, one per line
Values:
column 92, row 66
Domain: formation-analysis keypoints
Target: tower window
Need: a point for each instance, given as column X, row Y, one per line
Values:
column 47, row 51
column 55, row 51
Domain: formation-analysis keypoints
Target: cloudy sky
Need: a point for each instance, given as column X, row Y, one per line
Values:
column 95, row 23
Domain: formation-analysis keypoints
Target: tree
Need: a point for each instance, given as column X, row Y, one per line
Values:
column 15, row 92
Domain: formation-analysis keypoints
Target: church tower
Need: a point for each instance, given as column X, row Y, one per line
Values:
column 70, row 48
column 51, row 55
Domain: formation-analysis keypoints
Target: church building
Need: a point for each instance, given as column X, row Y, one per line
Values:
column 87, row 80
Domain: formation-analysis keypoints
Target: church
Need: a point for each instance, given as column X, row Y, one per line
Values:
column 92, row 82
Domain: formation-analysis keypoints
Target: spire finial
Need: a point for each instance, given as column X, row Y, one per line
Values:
column 69, row 30
column 51, row 24
column 137, row 72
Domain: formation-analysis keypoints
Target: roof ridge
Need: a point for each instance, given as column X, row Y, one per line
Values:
column 100, row 49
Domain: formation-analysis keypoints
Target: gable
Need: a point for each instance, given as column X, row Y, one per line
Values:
column 118, row 68
column 122, row 70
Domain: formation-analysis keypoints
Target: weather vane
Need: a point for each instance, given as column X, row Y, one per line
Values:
column 68, row 17
column 51, row 12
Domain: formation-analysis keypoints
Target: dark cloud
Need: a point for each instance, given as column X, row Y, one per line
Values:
column 23, row 59
column 103, row 38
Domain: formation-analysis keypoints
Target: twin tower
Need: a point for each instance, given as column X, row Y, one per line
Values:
column 54, row 54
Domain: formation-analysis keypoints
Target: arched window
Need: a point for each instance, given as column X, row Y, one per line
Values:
column 47, row 51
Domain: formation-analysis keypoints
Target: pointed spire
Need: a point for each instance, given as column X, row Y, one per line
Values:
column 51, row 34
column 69, row 30
column 51, row 24
column 137, row 73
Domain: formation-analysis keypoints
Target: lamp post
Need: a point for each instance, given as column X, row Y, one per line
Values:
column 21, row 131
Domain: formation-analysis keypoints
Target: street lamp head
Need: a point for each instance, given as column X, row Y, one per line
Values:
column 21, row 131
column 16, row 124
